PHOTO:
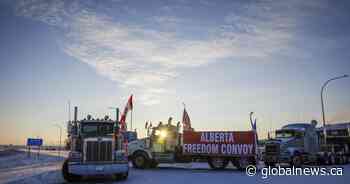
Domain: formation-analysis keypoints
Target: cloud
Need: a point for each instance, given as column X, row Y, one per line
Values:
column 170, row 21
column 147, row 58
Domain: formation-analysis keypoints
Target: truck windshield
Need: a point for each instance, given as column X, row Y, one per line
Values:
column 284, row 134
column 288, row 133
column 97, row 129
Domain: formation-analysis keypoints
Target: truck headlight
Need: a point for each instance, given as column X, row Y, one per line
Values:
column 163, row 134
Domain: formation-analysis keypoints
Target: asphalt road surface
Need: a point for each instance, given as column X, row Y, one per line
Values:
column 17, row 167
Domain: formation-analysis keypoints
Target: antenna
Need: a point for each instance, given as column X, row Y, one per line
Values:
column 69, row 117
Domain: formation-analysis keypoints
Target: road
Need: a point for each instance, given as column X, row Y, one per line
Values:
column 17, row 167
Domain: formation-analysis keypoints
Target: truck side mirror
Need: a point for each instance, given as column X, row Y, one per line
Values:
column 313, row 123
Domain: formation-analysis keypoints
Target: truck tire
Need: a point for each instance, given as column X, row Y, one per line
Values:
column 217, row 163
column 332, row 159
column 326, row 160
column 297, row 161
column 242, row 163
column 320, row 160
column 121, row 176
column 68, row 176
column 345, row 158
column 339, row 160
column 140, row 160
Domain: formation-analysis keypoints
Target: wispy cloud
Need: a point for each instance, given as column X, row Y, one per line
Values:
column 146, row 58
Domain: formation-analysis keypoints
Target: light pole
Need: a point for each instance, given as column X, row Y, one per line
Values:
column 59, row 148
column 322, row 103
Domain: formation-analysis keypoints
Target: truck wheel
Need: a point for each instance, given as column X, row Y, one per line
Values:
column 140, row 161
column 332, row 159
column 121, row 176
column 327, row 160
column 319, row 160
column 297, row 161
column 339, row 160
column 68, row 176
column 217, row 163
column 345, row 158
column 253, row 161
column 242, row 163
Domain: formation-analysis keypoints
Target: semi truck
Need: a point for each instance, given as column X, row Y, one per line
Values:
column 302, row 143
column 167, row 144
column 337, row 142
column 96, row 147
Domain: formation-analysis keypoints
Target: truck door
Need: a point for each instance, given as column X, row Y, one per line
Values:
column 311, row 144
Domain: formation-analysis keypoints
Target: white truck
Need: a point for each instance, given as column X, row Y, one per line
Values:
column 303, row 143
column 96, row 148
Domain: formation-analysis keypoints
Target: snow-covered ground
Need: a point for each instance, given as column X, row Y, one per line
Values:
column 17, row 167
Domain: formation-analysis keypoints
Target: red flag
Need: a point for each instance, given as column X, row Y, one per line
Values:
column 186, row 121
column 128, row 107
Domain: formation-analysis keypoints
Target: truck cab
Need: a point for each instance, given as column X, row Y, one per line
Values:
column 162, row 145
column 96, row 148
column 294, row 143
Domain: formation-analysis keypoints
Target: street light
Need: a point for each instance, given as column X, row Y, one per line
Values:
column 322, row 103
column 59, row 148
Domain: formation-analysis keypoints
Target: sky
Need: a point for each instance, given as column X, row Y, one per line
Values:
column 223, row 59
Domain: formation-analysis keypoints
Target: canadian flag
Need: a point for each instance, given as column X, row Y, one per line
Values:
column 128, row 107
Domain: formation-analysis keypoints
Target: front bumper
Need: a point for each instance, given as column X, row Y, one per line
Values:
column 97, row 169
column 271, row 158
column 285, row 158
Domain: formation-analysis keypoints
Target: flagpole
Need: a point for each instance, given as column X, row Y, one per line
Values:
column 131, row 119
column 69, row 117
column 183, row 103
column 132, row 109
column 253, row 124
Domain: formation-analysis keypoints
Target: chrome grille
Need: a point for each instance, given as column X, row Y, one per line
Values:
column 98, row 151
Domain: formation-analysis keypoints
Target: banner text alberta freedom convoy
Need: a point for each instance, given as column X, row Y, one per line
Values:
column 219, row 143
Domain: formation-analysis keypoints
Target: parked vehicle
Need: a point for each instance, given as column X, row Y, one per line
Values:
column 338, row 143
column 302, row 143
column 96, row 148
column 166, row 144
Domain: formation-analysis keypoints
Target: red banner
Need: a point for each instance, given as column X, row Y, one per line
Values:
column 221, row 143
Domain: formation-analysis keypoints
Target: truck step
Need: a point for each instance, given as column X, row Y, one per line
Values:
column 164, row 157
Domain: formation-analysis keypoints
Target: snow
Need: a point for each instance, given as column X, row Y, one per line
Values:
column 17, row 167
